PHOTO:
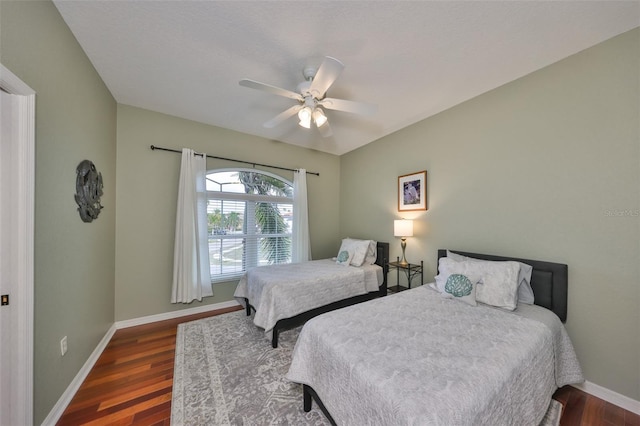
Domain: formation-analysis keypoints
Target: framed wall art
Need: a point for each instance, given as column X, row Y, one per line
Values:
column 412, row 191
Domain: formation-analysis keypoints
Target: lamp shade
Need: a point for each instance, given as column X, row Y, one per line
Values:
column 319, row 117
column 305, row 117
column 403, row 228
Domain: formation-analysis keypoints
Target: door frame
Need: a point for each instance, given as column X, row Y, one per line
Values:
column 24, row 293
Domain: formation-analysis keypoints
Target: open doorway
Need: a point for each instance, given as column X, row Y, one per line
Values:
column 17, row 173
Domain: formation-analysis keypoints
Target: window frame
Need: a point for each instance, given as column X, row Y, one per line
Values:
column 243, row 197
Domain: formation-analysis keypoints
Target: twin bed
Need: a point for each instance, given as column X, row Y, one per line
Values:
column 423, row 357
column 285, row 296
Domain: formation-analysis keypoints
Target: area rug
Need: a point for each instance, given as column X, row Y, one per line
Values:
column 227, row 373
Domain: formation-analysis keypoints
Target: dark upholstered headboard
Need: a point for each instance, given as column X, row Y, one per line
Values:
column 549, row 280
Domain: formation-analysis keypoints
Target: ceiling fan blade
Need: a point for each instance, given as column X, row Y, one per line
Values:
column 348, row 106
column 325, row 130
column 282, row 116
column 271, row 89
column 326, row 75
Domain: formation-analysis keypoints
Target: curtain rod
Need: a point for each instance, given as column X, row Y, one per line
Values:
column 153, row 148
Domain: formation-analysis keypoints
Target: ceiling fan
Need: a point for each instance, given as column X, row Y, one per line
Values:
column 311, row 97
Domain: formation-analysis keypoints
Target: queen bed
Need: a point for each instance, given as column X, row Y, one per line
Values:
column 285, row 296
column 438, row 354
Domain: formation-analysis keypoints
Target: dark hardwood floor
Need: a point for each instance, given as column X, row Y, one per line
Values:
column 132, row 380
column 580, row 408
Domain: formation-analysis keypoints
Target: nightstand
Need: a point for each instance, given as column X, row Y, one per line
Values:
column 411, row 270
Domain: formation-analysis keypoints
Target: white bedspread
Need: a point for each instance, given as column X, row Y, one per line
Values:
column 415, row 358
column 283, row 291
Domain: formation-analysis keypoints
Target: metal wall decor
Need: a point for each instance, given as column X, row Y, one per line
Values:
column 88, row 191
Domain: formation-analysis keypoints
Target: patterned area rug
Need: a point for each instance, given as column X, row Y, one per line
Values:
column 227, row 373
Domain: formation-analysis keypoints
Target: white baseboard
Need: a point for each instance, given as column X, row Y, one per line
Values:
column 67, row 396
column 174, row 314
column 69, row 393
column 608, row 395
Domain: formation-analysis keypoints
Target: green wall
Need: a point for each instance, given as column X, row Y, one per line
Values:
column 147, row 191
column 546, row 167
column 74, row 261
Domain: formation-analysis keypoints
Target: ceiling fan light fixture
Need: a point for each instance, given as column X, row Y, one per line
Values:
column 305, row 117
column 318, row 117
column 305, row 124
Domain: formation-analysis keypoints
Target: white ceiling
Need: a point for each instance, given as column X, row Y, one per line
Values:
column 412, row 59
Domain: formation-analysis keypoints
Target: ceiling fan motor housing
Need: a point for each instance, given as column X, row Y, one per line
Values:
column 303, row 88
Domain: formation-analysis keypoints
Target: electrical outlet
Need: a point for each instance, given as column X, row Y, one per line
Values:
column 63, row 345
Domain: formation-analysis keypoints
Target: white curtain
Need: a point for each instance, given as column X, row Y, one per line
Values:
column 191, row 273
column 301, row 247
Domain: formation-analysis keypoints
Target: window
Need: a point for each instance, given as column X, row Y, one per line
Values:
column 249, row 221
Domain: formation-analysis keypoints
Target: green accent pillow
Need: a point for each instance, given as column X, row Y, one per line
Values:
column 344, row 258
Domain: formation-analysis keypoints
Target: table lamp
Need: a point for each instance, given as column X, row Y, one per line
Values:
column 403, row 228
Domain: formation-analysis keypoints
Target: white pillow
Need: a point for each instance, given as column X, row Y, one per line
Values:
column 461, row 287
column 372, row 253
column 525, row 292
column 372, row 249
column 499, row 280
column 357, row 247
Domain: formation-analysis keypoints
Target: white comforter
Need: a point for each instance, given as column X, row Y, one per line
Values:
column 415, row 358
column 284, row 291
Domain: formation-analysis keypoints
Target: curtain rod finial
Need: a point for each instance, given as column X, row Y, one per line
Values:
column 153, row 148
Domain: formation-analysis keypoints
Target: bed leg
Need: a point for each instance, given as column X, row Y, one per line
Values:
column 306, row 398
column 274, row 339
column 246, row 302
column 308, row 395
